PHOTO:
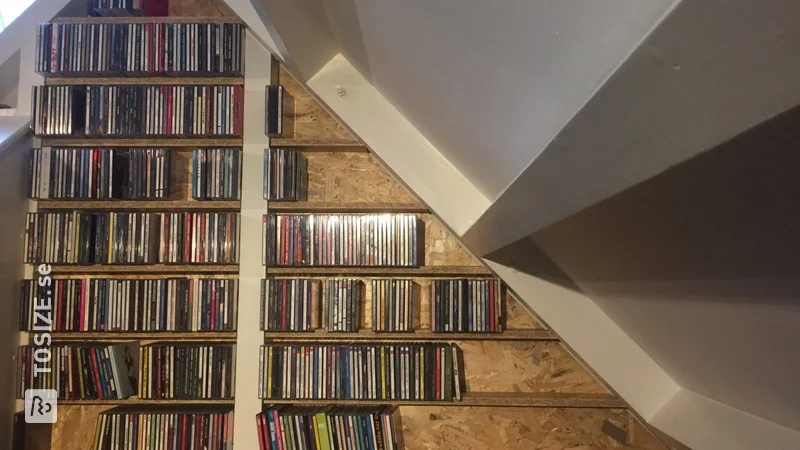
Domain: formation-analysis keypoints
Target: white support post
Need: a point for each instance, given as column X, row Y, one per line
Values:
column 249, row 336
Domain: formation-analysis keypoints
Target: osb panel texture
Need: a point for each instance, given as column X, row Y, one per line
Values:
column 76, row 426
column 180, row 177
column 435, row 428
column 352, row 177
column 513, row 366
column 442, row 248
column 199, row 8
column 311, row 120
column 517, row 315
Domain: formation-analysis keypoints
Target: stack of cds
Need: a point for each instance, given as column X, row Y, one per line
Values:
column 164, row 110
column 343, row 300
column 341, row 240
column 285, row 174
column 393, row 304
column 280, row 112
column 116, row 8
column 81, row 371
column 131, row 238
column 187, row 371
column 97, row 49
column 360, row 371
column 99, row 173
column 290, row 304
column 216, row 173
column 199, row 238
column 178, row 427
column 148, row 173
column 339, row 428
column 125, row 305
column 86, row 238
column 464, row 306
column 57, row 110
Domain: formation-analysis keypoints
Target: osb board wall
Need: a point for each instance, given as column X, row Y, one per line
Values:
column 442, row 248
column 481, row 428
column 351, row 177
column 311, row 121
column 76, row 426
column 199, row 8
column 514, row 366
column 517, row 315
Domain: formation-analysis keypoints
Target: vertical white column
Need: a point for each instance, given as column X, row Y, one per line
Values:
column 248, row 336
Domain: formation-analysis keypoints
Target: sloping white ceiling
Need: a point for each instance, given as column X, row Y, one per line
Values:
column 701, row 266
column 478, row 78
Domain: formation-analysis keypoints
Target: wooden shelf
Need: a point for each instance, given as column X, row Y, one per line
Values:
column 517, row 399
column 418, row 335
column 84, row 79
column 58, row 269
column 350, row 207
column 111, row 336
column 428, row 271
column 140, row 19
column 141, row 205
column 320, row 145
column 138, row 401
column 146, row 142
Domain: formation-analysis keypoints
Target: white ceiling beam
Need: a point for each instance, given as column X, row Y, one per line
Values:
column 708, row 72
column 402, row 148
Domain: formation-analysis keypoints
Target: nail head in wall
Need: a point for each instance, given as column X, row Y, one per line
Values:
column 340, row 91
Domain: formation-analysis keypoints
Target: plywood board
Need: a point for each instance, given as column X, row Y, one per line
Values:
column 495, row 366
column 480, row 428
column 76, row 425
column 311, row 120
column 517, row 315
column 442, row 248
column 351, row 177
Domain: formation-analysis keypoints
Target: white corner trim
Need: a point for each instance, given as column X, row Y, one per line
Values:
column 704, row 424
column 249, row 336
column 600, row 342
column 398, row 144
